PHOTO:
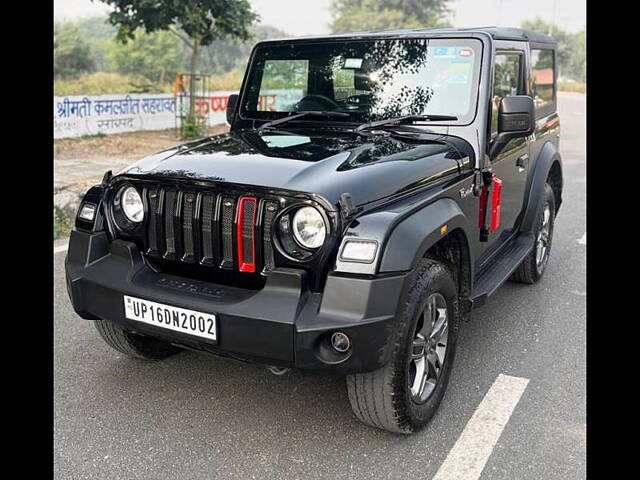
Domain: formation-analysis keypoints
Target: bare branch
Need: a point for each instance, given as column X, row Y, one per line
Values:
column 181, row 37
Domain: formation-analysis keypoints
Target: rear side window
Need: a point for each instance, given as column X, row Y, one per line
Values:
column 543, row 82
column 508, row 80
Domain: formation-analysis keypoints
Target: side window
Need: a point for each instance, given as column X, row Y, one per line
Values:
column 508, row 80
column 543, row 81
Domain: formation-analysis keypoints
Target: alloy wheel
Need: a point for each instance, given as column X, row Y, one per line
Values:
column 429, row 348
column 543, row 239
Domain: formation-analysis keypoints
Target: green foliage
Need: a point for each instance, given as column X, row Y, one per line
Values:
column 228, row 54
column 571, row 54
column 201, row 20
column 577, row 87
column 227, row 81
column 192, row 127
column 102, row 83
column 358, row 15
column 71, row 55
column 98, row 34
column 155, row 56
column 62, row 222
column 196, row 22
column 285, row 74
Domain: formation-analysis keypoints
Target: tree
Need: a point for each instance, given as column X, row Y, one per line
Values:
column 196, row 22
column 357, row 15
column 71, row 54
column 98, row 34
column 226, row 55
column 152, row 55
column 571, row 58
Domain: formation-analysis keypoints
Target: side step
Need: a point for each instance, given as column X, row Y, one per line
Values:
column 500, row 269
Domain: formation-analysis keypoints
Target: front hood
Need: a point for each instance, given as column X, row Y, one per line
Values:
column 325, row 163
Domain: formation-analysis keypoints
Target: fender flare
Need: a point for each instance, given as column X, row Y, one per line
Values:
column 546, row 158
column 403, row 238
column 415, row 234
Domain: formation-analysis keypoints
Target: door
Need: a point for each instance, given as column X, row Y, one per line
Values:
column 511, row 165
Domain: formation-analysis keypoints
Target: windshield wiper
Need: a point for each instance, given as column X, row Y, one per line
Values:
column 305, row 113
column 404, row 119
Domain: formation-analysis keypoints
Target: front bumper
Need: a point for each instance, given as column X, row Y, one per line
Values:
column 282, row 324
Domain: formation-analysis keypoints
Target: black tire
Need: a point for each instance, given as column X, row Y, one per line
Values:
column 134, row 345
column 531, row 270
column 383, row 398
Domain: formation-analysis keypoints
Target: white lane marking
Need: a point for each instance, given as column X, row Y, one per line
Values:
column 583, row 239
column 467, row 458
column 61, row 248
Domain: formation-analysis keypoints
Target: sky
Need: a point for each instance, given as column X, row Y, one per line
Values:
column 312, row 17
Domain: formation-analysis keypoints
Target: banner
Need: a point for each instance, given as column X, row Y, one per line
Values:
column 76, row 116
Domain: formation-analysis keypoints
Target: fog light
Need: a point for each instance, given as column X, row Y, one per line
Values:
column 340, row 342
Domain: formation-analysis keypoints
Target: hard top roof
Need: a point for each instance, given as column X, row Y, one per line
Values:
column 498, row 33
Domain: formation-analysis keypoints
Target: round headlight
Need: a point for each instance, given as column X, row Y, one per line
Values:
column 132, row 205
column 309, row 228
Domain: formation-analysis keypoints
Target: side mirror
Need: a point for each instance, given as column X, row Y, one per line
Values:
column 516, row 118
column 232, row 103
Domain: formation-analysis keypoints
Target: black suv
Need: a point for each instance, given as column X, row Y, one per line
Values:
column 373, row 189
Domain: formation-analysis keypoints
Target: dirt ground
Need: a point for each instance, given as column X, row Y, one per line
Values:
column 81, row 162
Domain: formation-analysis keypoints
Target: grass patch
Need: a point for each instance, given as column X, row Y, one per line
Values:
column 227, row 81
column 102, row 83
column 579, row 87
column 62, row 222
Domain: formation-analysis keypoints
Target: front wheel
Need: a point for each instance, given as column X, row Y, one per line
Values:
column 402, row 396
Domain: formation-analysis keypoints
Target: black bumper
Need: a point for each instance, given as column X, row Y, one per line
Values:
column 282, row 324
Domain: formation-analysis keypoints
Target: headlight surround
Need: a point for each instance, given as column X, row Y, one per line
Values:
column 309, row 228
column 131, row 204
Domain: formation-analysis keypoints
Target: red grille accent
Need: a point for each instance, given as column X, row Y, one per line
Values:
column 245, row 234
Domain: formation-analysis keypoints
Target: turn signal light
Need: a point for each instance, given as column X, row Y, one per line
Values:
column 359, row 251
column 87, row 212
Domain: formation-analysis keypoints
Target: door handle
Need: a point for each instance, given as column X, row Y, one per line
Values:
column 522, row 162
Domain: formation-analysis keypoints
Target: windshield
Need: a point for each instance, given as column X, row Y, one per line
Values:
column 369, row 80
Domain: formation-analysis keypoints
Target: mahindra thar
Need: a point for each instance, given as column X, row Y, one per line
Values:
column 373, row 189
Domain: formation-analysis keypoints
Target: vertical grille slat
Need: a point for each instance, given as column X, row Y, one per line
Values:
column 227, row 214
column 169, row 212
column 208, row 238
column 188, row 204
column 152, row 229
column 270, row 210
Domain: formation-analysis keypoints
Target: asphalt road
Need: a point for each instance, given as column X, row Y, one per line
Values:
column 197, row 416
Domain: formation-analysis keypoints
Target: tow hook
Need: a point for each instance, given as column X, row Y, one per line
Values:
column 279, row 371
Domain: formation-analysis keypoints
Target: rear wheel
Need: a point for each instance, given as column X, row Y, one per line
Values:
column 403, row 395
column 533, row 266
column 132, row 344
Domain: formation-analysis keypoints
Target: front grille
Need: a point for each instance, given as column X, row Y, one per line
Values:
column 211, row 229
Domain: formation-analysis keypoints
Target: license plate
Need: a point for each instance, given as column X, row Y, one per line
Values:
column 177, row 319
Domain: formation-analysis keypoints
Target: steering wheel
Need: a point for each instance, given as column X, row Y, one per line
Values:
column 317, row 102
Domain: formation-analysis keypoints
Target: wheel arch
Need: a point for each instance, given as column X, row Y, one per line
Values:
column 548, row 166
column 453, row 250
column 415, row 235
column 439, row 230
